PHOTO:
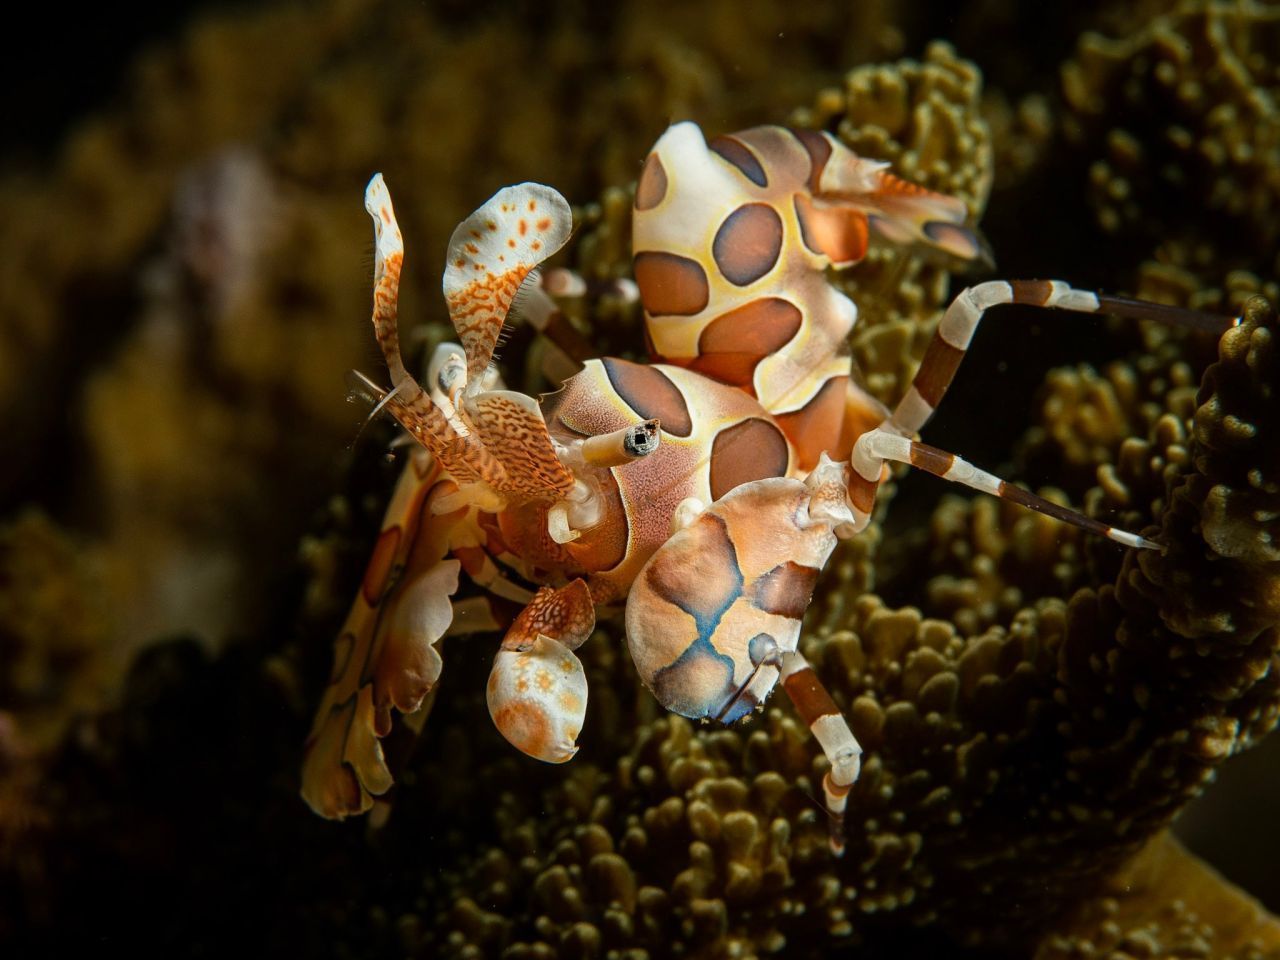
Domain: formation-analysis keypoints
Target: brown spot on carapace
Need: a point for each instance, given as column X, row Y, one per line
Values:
column 816, row 426
column 1031, row 291
column 819, row 149
column 760, row 327
column 490, row 225
column 380, row 564
column 544, row 224
column 838, row 232
column 747, row 244
column 941, row 360
column 535, row 246
column 786, row 589
column 651, row 394
column 533, row 205
column 750, row 450
column 734, row 369
column 652, row 185
column 741, row 157
column 670, row 285
column 472, row 248
column 733, row 343
column 523, row 227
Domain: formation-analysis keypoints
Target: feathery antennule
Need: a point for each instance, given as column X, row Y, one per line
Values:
column 530, row 303
column 388, row 259
column 362, row 389
column 387, row 397
column 460, row 452
column 491, row 253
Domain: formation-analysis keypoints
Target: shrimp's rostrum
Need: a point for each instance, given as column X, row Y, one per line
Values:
column 705, row 491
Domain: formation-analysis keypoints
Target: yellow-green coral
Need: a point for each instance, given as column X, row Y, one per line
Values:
column 1187, row 116
column 1022, row 743
column 52, row 633
column 1163, row 905
column 1019, row 765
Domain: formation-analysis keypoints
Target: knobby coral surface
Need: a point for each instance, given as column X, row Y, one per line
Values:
column 1010, row 771
column 1185, row 106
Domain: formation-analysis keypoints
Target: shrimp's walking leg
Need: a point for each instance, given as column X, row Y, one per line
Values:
column 876, row 446
column 831, row 730
column 951, row 340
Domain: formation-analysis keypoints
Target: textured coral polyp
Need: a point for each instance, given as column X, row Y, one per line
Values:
column 1186, row 108
column 1020, row 747
column 1036, row 705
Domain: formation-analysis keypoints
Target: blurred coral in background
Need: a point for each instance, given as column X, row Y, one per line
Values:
column 185, row 283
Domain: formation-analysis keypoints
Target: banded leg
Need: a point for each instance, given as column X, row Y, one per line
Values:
column 537, row 307
column 831, row 730
column 947, row 347
column 879, row 445
column 485, row 573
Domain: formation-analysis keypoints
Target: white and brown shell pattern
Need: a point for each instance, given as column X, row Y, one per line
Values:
column 730, row 286
column 714, row 438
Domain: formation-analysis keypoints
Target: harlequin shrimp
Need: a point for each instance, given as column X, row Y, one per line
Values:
column 703, row 491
